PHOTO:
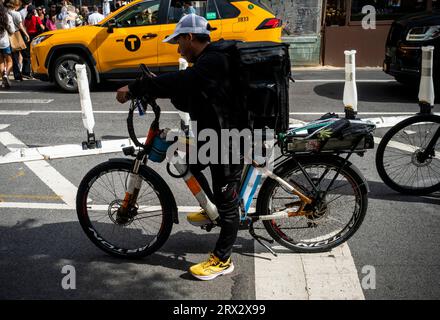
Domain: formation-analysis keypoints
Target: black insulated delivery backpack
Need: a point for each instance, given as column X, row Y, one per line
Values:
column 261, row 74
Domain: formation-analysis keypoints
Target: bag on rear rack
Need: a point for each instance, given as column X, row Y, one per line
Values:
column 261, row 74
column 330, row 135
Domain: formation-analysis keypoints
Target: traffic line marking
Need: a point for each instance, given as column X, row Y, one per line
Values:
column 329, row 276
column 14, row 113
column 60, row 206
column 29, row 196
column 359, row 113
column 21, row 92
column 43, row 170
column 28, row 112
column 35, row 205
column 61, row 151
column 401, row 146
column 26, row 101
column 4, row 126
column 342, row 81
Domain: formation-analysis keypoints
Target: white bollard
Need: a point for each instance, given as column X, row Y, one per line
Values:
column 185, row 118
column 86, row 106
column 350, row 90
column 426, row 90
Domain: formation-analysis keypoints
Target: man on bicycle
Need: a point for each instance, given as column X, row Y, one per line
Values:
column 206, row 93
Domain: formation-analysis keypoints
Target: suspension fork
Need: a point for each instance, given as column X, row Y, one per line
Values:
column 134, row 183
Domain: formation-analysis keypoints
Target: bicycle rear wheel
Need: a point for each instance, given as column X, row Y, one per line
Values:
column 398, row 158
column 336, row 219
column 149, row 224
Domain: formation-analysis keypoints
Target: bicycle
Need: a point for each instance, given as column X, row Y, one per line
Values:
column 406, row 157
column 310, row 202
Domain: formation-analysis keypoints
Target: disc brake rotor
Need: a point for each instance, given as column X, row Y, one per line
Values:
column 115, row 215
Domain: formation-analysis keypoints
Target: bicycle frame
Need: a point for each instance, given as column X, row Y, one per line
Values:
column 134, row 181
column 287, row 213
column 301, row 204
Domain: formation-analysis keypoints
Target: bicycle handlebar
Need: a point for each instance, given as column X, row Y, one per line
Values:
column 141, row 103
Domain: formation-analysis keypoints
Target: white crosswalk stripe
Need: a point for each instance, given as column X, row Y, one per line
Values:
column 25, row 101
column 318, row 276
column 43, row 170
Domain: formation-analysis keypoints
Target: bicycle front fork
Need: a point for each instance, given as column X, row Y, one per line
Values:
column 134, row 182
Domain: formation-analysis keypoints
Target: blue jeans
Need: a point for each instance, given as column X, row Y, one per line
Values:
column 6, row 51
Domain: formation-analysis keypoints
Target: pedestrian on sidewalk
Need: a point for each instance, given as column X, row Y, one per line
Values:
column 41, row 13
column 20, row 31
column 34, row 26
column 51, row 21
column 188, row 7
column 6, row 29
column 23, row 11
column 95, row 17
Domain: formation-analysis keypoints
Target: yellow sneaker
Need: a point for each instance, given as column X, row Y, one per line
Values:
column 198, row 219
column 211, row 268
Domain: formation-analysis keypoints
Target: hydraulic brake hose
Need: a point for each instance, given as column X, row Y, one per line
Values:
column 131, row 132
column 177, row 176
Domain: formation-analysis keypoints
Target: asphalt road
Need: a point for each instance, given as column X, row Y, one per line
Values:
column 398, row 239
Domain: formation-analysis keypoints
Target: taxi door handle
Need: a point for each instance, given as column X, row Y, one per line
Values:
column 149, row 35
column 119, row 40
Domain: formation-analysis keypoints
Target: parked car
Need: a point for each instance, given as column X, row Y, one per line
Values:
column 114, row 48
column 403, row 54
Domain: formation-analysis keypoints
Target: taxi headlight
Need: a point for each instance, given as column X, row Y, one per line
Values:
column 40, row 39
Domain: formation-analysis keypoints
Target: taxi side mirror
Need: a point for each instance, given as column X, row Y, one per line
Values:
column 110, row 25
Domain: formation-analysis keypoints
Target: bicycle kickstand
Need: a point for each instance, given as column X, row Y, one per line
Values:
column 259, row 238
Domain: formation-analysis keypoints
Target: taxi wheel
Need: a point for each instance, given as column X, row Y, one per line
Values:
column 65, row 74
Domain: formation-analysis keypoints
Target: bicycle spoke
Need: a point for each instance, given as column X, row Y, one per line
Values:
column 108, row 189
column 341, row 196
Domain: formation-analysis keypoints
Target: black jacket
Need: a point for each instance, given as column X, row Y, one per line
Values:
column 203, row 90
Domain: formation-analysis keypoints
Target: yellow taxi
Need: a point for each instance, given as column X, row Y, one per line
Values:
column 114, row 48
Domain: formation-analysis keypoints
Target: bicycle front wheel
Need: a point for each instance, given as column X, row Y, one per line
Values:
column 400, row 159
column 329, row 222
column 149, row 222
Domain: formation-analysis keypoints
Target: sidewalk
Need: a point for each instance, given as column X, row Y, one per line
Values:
column 331, row 68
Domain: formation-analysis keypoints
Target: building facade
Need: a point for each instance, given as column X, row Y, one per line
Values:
column 342, row 28
column 302, row 20
column 320, row 30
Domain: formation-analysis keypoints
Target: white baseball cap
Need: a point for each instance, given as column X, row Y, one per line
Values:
column 190, row 23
